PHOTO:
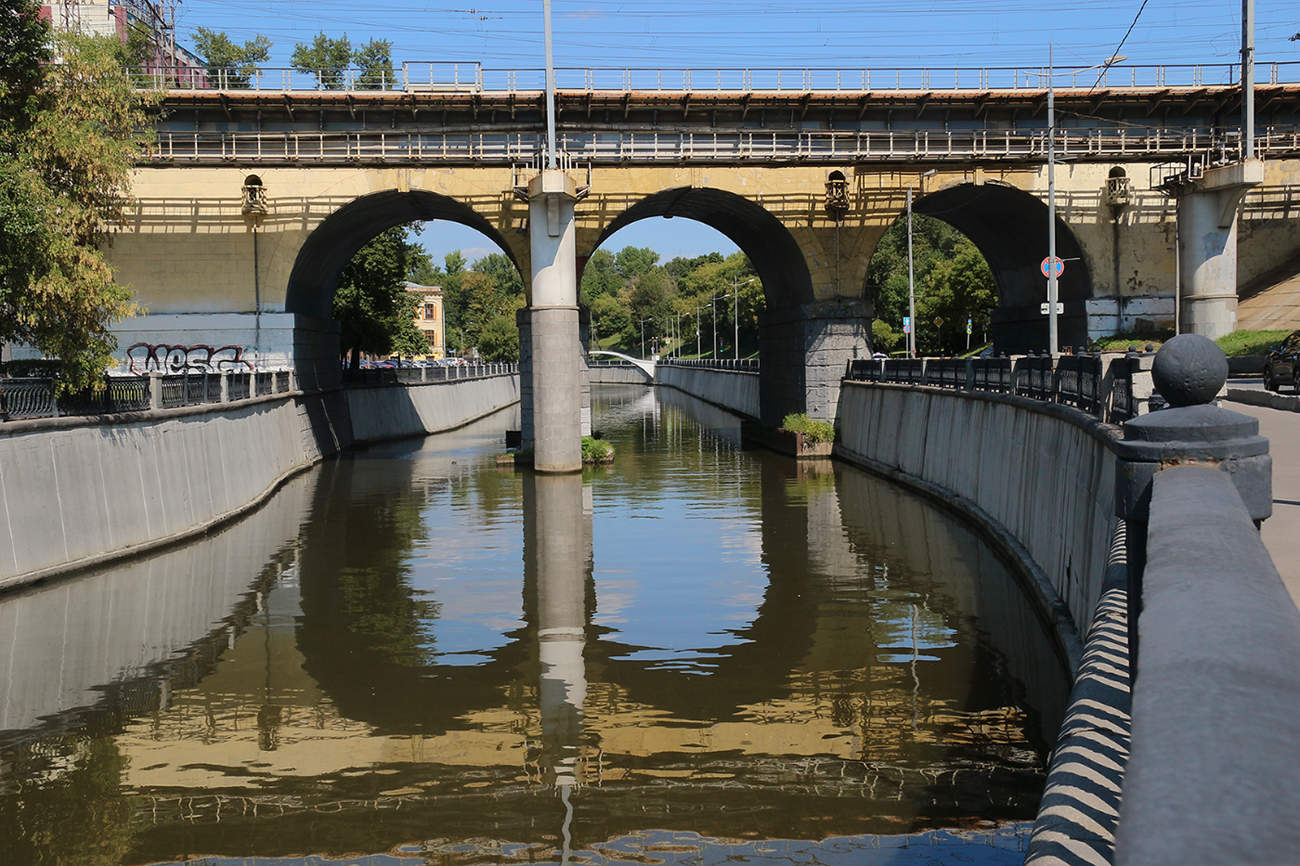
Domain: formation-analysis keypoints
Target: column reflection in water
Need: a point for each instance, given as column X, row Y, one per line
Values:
column 557, row 562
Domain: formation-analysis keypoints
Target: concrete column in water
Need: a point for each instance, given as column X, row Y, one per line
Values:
column 1207, row 232
column 555, row 369
column 804, row 352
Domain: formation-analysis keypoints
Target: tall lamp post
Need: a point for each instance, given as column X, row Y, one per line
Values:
column 911, row 281
column 736, row 283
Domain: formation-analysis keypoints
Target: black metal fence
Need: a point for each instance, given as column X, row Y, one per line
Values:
column 24, row 398
column 1080, row 381
column 746, row 365
column 417, row 375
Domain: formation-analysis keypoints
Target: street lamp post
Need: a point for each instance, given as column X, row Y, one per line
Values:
column 642, row 322
column 735, row 313
column 713, row 318
column 911, row 282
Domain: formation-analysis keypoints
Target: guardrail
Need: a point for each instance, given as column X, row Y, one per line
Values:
column 26, row 398
column 744, row 365
column 1081, row 381
column 450, row 75
column 616, row 146
column 418, row 375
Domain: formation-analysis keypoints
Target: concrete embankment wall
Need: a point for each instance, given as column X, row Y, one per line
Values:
column 1039, row 477
column 77, row 492
column 736, row 390
column 618, row 376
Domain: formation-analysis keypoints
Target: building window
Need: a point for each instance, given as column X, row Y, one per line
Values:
column 430, row 312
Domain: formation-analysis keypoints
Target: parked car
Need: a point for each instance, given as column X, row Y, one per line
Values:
column 1282, row 365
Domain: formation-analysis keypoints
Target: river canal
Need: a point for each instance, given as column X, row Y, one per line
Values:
column 410, row 655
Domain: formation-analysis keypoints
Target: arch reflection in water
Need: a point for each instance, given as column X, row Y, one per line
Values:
column 710, row 651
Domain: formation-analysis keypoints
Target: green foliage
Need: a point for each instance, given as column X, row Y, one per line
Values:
column 596, row 450
column 600, row 278
column 499, row 339
column 230, row 64
column 1250, row 342
column 374, row 62
column 952, row 280
column 883, row 337
column 326, row 58
column 633, row 262
column 372, row 305
column 69, row 133
column 1121, row 341
column 816, row 431
column 137, row 49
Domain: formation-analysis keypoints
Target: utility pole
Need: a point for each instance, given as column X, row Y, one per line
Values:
column 713, row 318
column 550, row 97
column 911, row 283
column 1052, row 338
column 1248, row 79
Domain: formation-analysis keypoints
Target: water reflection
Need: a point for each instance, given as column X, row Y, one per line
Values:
column 710, row 651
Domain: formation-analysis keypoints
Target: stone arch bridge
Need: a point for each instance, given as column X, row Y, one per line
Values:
column 251, row 201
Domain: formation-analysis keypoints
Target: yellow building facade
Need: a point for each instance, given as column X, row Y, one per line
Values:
column 429, row 319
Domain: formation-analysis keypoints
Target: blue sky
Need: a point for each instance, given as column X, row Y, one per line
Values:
column 507, row 34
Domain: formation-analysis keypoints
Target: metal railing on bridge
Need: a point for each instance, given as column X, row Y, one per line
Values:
column 469, row 76
column 418, row 375
column 743, row 365
column 614, row 146
column 27, row 398
column 1081, row 381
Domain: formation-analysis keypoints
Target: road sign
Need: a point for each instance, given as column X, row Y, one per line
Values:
column 907, row 324
column 938, row 321
column 1057, row 263
column 1060, row 308
column 968, row 327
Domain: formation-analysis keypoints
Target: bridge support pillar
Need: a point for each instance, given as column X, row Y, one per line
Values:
column 554, row 359
column 1207, row 238
column 804, row 350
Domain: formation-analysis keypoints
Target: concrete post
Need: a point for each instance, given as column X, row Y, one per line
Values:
column 155, row 390
column 293, row 379
column 1188, row 372
column 225, row 386
column 556, row 351
column 1207, row 232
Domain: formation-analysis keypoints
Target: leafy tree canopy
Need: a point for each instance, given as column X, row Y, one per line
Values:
column 374, row 310
column 326, row 58
column 231, row 64
column 374, row 62
column 69, row 133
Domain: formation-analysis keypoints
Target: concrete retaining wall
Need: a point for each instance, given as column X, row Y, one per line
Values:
column 76, row 492
column 736, row 390
column 618, row 376
column 1039, row 477
column 385, row 412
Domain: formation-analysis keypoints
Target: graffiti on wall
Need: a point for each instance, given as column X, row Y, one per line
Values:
column 146, row 358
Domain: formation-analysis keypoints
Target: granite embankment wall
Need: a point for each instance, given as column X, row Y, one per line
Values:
column 1039, row 477
column 736, row 390
column 76, row 492
column 618, row 376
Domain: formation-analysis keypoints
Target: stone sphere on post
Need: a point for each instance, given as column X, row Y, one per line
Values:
column 1189, row 370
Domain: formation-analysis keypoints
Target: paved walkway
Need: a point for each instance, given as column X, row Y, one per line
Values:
column 1281, row 532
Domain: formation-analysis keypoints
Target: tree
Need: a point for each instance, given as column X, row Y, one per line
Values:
column 325, row 58
column 231, row 65
column 374, row 62
column 609, row 315
column 69, row 133
column 633, row 262
column 499, row 340
column 372, row 305
column 599, row 277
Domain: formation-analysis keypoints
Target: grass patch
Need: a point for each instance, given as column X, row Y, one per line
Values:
column 1121, row 342
column 816, row 431
column 1250, row 342
column 596, row 450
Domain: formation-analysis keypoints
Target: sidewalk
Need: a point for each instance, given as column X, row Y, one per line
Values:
column 1281, row 532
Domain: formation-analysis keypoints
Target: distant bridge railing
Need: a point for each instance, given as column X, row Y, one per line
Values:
column 418, row 375
column 416, row 76
column 616, row 146
column 26, row 398
column 1086, row 382
column 744, row 365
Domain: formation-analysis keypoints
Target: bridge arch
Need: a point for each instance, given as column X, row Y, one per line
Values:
column 316, row 270
column 773, row 250
column 1009, row 227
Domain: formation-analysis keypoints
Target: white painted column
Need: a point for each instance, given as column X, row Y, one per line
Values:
column 556, row 351
column 1207, row 231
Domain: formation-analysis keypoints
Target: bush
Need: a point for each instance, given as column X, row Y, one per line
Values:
column 596, row 450
column 816, row 431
